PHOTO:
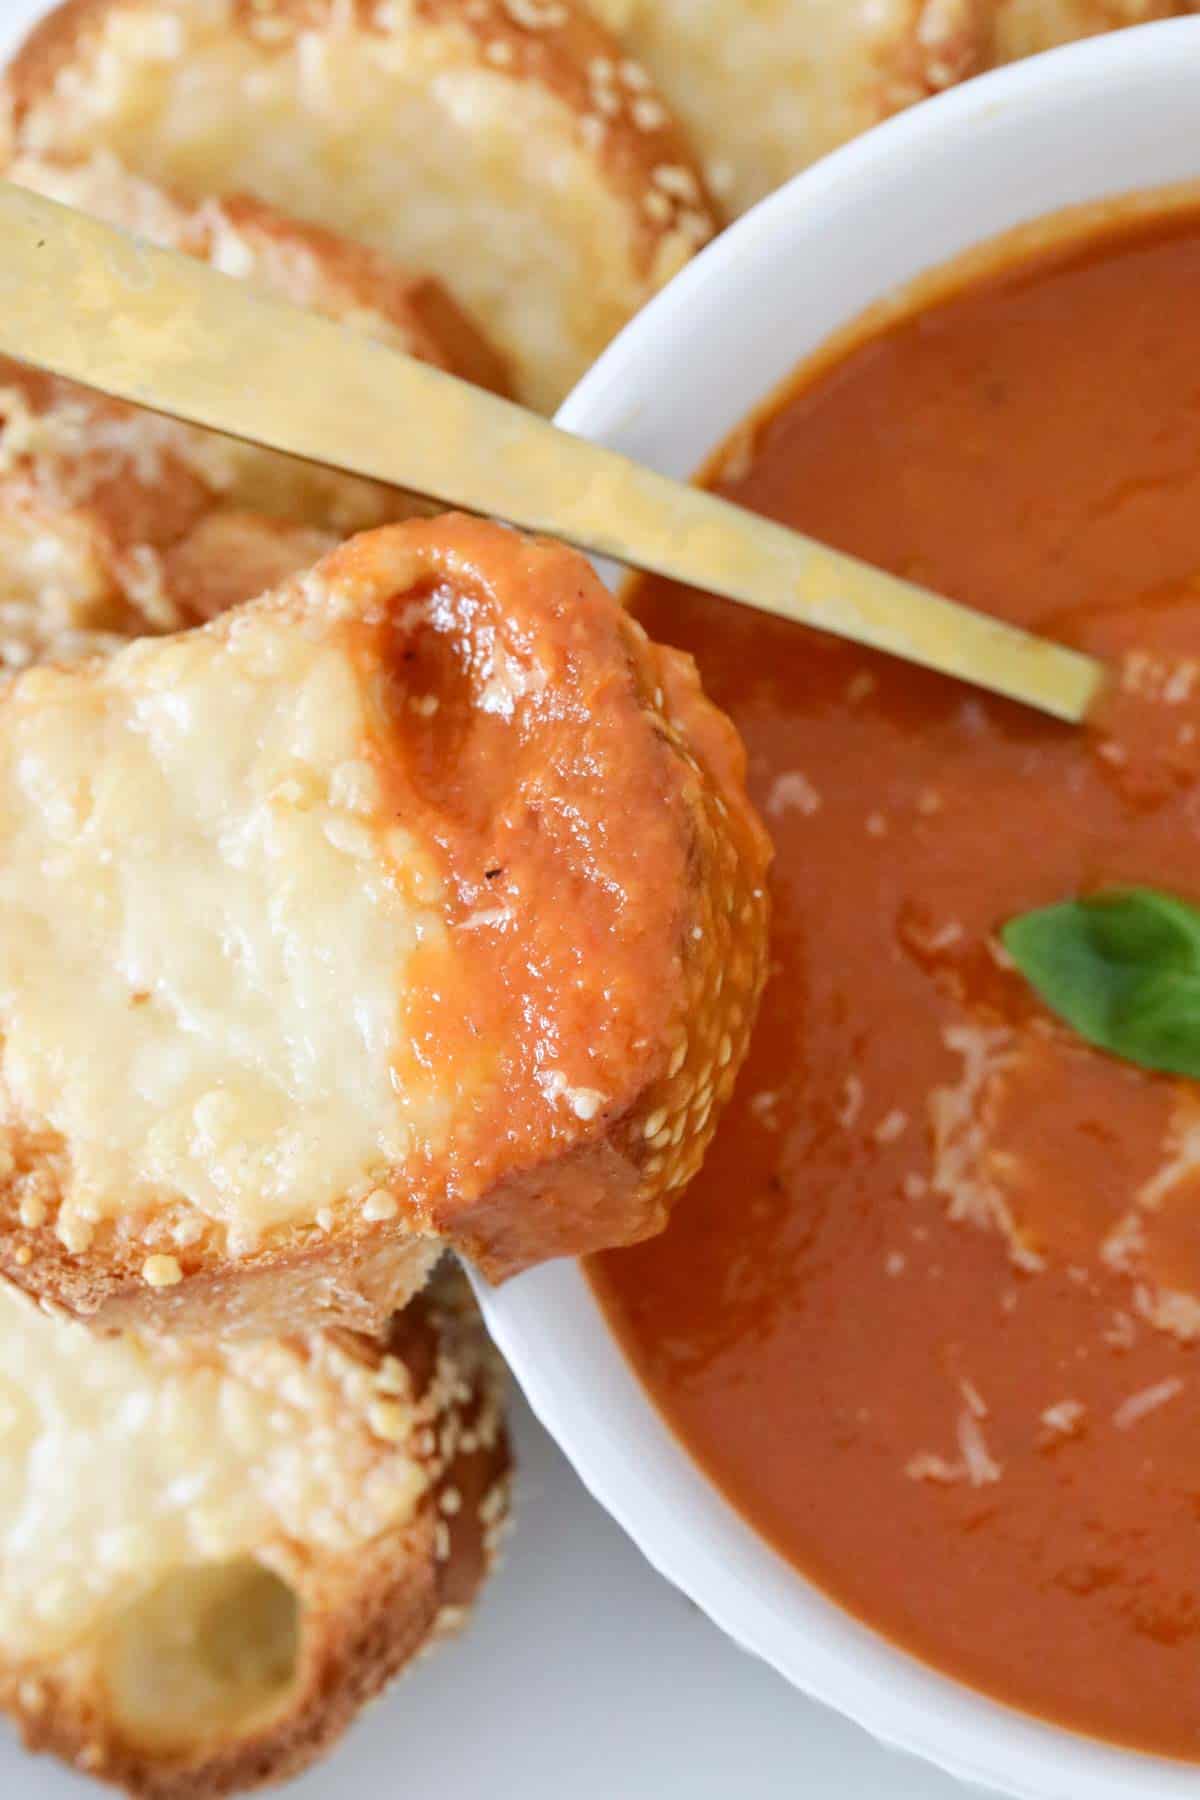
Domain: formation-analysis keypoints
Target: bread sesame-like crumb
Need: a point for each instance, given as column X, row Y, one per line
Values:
column 649, row 114
column 161, row 1271
column 75, row 1234
column 32, row 1696
column 392, row 1376
column 389, row 1420
column 494, row 1503
column 380, row 1206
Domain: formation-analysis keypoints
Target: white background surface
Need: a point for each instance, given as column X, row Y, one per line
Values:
column 583, row 1675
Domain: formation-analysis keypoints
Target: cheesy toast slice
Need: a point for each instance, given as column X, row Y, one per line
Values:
column 418, row 902
column 766, row 89
column 214, row 1556
column 509, row 147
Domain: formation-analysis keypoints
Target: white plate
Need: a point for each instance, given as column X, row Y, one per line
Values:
column 583, row 1675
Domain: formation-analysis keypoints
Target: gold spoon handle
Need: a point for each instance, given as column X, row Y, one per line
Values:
column 167, row 332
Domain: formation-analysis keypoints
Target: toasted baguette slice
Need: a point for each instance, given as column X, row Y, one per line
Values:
column 418, row 902
column 505, row 145
column 1024, row 27
column 766, row 89
column 114, row 522
column 212, row 1558
column 110, row 528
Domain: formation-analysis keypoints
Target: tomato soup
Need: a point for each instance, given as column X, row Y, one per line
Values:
column 930, row 1315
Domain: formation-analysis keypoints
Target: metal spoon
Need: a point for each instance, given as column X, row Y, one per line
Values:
column 167, row 332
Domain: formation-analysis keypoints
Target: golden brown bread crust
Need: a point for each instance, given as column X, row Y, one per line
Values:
column 606, row 943
column 364, row 1615
column 354, row 1282
column 766, row 89
column 551, row 43
column 558, row 45
column 946, row 41
column 544, row 51
column 116, row 524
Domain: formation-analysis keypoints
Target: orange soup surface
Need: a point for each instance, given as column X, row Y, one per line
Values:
column 930, row 1317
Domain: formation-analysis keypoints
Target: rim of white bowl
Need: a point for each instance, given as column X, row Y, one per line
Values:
column 548, row 1324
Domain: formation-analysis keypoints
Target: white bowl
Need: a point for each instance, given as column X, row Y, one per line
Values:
column 1102, row 118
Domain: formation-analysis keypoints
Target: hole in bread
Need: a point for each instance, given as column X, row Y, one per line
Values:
column 210, row 1651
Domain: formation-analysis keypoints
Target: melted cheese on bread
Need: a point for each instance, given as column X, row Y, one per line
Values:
column 206, row 914
column 419, row 901
column 123, row 1461
column 495, row 143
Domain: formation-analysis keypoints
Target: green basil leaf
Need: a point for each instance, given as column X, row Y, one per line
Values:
column 1122, row 968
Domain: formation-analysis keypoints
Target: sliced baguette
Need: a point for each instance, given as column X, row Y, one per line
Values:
column 766, row 89
column 213, row 1558
column 419, row 902
column 110, row 528
column 505, row 145
column 116, row 523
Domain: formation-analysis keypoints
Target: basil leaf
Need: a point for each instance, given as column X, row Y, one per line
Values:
column 1122, row 968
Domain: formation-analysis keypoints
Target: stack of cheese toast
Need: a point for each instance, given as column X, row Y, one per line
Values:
column 374, row 890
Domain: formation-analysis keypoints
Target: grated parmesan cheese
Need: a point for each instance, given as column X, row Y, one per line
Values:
column 941, row 937
column 1169, row 1310
column 975, row 1463
column 891, row 1126
column 852, row 1102
column 960, row 1118
column 1121, row 1332
column 793, row 792
column 981, row 1467
column 1146, row 1400
column 1064, row 1416
column 1124, row 1249
column 973, row 1398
